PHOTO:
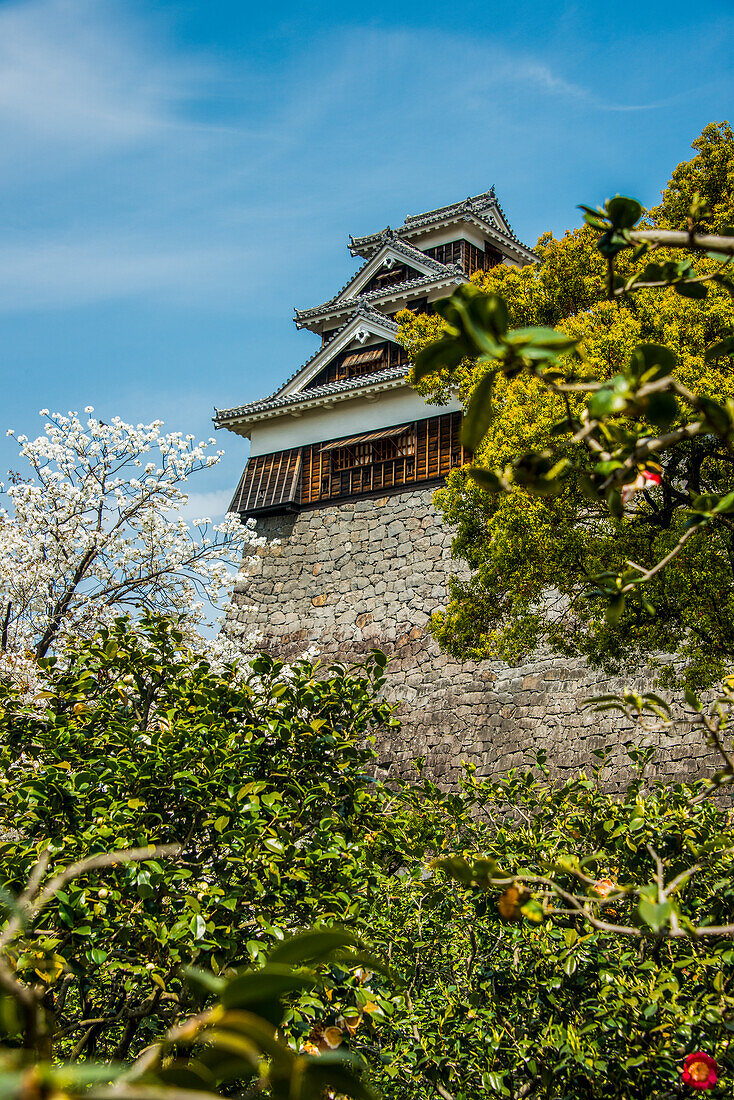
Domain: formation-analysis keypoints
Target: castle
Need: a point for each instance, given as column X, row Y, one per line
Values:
column 344, row 460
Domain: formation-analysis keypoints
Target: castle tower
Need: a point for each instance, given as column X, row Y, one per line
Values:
column 344, row 460
column 347, row 424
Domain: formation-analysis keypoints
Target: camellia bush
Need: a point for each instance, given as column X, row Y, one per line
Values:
column 259, row 793
column 259, row 781
column 233, row 1044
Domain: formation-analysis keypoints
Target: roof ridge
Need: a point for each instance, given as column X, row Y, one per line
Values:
column 408, row 250
column 451, row 270
column 469, row 201
column 345, row 385
column 479, row 202
column 362, row 310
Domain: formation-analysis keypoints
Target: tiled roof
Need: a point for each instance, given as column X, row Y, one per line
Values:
column 480, row 208
column 275, row 402
column 402, row 247
column 475, row 202
column 449, row 271
column 479, row 205
column 365, row 311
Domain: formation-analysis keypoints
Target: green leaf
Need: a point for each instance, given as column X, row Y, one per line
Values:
column 661, row 409
column 197, row 925
column 652, row 359
column 623, row 212
column 725, row 504
column 655, row 915
column 693, row 700
column 611, row 398
column 443, row 354
column 478, row 414
column 311, row 946
column 724, row 347
column 611, row 242
column 615, row 505
column 479, row 318
column 260, row 1032
column 487, row 479
column 716, row 414
column 543, row 337
column 204, row 980
column 691, row 290
column 533, row 911
column 243, row 1047
column 267, row 984
column 615, row 609
column 187, row 1074
column 490, row 311
column 455, row 867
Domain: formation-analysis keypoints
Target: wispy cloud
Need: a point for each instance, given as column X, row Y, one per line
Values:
column 120, row 178
column 56, row 273
column 77, row 75
column 211, row 505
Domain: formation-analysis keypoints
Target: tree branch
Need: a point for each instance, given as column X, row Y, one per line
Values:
column 29, row 909
column 673, row 238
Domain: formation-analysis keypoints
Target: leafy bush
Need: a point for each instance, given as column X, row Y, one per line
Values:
column 262, row 781
column 231, row 1045
column 266, row 781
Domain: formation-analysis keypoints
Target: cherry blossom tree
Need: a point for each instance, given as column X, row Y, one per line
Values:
column 95, row 530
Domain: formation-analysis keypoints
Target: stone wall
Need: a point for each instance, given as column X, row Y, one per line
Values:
column 365, row 573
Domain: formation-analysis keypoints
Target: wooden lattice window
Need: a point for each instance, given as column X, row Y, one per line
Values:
column 475, row 259
column 351, row 364
column 269, row 482
column 469, row 256
column 347, row 458
column 367, row 361
column 446, row 253
column 373, row 462
column 390, row 276
column 400, row 446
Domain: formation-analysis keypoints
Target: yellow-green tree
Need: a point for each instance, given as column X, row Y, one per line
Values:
column 531, row 556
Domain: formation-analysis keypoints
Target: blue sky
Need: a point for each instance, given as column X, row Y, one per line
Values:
column 175, row 177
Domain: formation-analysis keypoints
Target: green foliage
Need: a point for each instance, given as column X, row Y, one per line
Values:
column 262, row 780
column 709, row 174
column 641, row 348
column 231, row 1045
column 266, row 783
column 542, row 1002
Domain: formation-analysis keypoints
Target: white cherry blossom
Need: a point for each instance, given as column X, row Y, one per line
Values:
column 94, row 531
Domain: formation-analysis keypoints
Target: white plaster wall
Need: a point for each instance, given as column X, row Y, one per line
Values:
column 452, row 233
column 347, row 417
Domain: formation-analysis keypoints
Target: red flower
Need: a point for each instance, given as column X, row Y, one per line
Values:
column 647, row 475
column 700, row 1071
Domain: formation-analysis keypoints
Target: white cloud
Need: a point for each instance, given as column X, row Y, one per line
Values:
column 212, row 505
column 62, row 272
column 112, row 185
column 74, row 74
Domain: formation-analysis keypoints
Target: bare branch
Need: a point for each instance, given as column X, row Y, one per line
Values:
column 672, row 238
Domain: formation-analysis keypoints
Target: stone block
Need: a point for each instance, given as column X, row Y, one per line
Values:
column 385, row 563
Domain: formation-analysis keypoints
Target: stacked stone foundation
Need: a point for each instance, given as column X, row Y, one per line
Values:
column 368, row 573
